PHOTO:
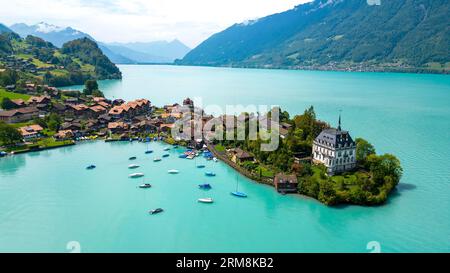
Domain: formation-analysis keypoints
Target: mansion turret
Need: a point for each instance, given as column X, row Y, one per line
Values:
column 335, row 149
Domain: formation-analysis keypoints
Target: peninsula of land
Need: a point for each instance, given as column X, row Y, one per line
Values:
column 312, row 158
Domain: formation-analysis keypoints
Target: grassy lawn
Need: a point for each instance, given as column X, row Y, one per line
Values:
column 48, row 132
column 59, row 72
column 42, row 143
column 347, row 180
column 265, row 172
column 85, row 67
column 16, row 148
column 35, row 61
column 12, row 95
column 220, row 148
column 51, row 142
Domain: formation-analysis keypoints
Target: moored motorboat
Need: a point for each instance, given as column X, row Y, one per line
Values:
column 201, row 166
column 132, row 158
column 133, row 166
column 173, row 171
column 136, row 175
column 215, row 159
column 206, row 200
column 166, row 155
column 156, row 211
column 211, row 174
column 145, row 186
column 91, row 167
column 205, row 186
column 182, row 156
column 167, row 149
column 148, row 152
column 157, row 159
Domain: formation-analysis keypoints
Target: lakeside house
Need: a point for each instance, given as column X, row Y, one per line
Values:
column 19, row 115
column 31, row 132
column 64, row 135
column 59, row 108
column 117, row 127
column 19, row 103
column 78, row 110
column 335, row 149
column 97, row 110
column 130, row 109
column 285, row 183
column 41, row 100
column 240, row 156
column 73, row 126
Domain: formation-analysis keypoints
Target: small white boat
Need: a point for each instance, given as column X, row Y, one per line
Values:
column 173, row 171
column 133, row 166
column 215, row 159
column 206, row 200
column 157, row 159
column 136, row 175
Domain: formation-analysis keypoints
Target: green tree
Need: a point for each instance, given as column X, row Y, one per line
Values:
column 98, row 93
column 7, row 104
column 8, row 134
column 327, row 193
column 8, row 77
column 385, row 166
column 41, row 122
column 363, row 150
column 53, row 122
column 90, row 86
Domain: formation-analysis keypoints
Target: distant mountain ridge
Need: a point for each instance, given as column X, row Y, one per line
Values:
column 161, row 51
column 54, row 34
column 121, row 53
column 4, row 28
column 400, row 35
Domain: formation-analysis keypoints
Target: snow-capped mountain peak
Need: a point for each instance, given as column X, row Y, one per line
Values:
column 47, row 28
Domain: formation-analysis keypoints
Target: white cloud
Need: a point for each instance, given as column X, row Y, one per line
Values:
column 142, row 20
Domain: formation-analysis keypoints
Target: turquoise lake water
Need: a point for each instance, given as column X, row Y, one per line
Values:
column 48, row 199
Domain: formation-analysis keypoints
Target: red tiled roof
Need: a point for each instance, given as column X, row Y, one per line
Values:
column 30, row 130
column 98, row 108
column 38, row 99
column 24, row 110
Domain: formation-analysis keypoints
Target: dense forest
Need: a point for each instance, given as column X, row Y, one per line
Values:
column 403, row 35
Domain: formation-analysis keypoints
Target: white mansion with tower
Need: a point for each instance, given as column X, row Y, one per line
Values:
column 335, row 149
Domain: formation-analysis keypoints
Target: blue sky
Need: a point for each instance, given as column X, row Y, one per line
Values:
column 191, row 21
